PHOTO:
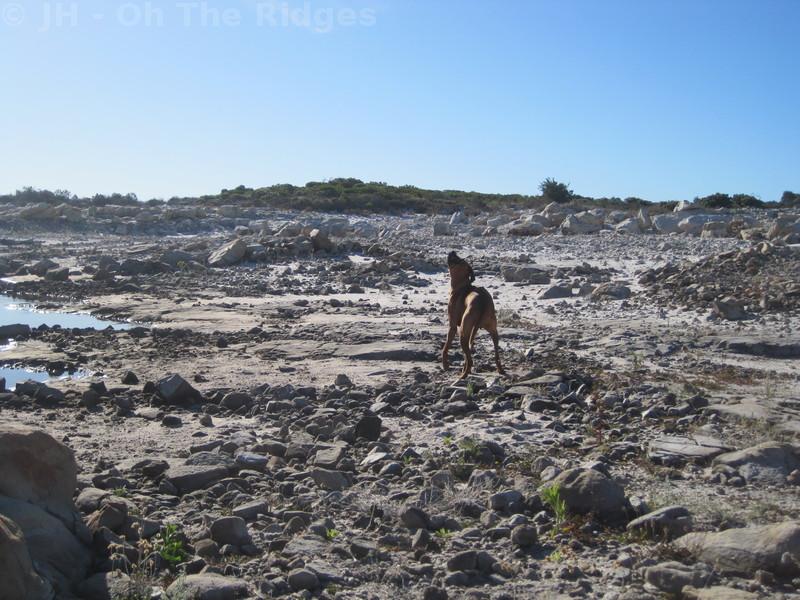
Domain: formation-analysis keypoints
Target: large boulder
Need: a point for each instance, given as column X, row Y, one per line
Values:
column 38, row 469
column 555, row 214
column 770, row 462
column 525, row 229
column 715, row 229
column 685, row 205
column 229, row 254
column 321, row 241
column 587, row 491
column 175, row 390
column 667, row 223
column 631, row 225
column 693, row 224
column 743, row 551
column 589, row 221
column 57, row 555
column 17, row 577
column 783, row 227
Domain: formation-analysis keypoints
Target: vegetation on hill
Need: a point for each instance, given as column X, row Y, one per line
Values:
column 349, row 195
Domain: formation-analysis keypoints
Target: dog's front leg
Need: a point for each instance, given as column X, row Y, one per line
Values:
column 451, row 333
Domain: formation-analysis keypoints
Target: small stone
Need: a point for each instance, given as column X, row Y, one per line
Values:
column 230, row 530
column 463, row 561
column 302, row 579
column 524, row 536
column 415, row 518
column 171, row 421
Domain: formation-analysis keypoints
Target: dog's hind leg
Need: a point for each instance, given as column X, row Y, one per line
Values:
column 465, row 335
column 451, row 333
column 472, row 339
column 496, row 342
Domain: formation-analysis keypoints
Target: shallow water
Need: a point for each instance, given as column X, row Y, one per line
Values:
column 14, row 375
column 13, row 311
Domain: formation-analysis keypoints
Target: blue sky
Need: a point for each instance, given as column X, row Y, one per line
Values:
column 651, row 98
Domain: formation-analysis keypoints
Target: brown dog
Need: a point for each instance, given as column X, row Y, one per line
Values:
column 470, row 308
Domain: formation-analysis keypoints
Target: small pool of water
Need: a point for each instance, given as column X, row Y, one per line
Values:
column 14, row 375
column 14, row 311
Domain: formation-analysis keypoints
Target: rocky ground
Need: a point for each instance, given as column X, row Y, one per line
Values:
column 276, row 423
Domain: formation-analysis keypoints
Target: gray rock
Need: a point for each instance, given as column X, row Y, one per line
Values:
column 105, row 586
column 671, row 577
column 369, row 428
column 729, row 309
column 60, row 558
column 615, row 291
column 330, row 480
column 19, row 580
column 770, row 462
column 175, row 390
column 589, row 491
column 321, row 242
column 328, row 458
column 251, row 460
column 556, row 291
column 251, row 510
column 524, row 536
column 413, row 517
column 442, row 228
column 664, row 523
column 525, row 274
column 171, row 421
column 37, row 469
column 302, row 579
column 236, row 400
column 582, row 223
column 229, row 254
column 230, row 530
column 463, row 561
column 676, row 450
column 743, row 551
column 59, row 274
column 189, row 478
column 717, row 592
column 208, row 586
column 89, row 499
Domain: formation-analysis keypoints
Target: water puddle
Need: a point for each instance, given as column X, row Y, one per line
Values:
column 15, row 375
column 14, row 311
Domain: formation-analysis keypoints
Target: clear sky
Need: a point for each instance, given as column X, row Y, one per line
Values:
column 652, row 98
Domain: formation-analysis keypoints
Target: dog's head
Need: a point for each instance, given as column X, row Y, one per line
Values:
column 460, row 270
column 453, row 259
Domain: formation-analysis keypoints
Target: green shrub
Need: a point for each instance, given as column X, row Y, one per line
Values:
column 555, row 191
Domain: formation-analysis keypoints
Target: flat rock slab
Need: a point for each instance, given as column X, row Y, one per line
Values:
column 768, row 463
column 784, row 348
column 400, row 351
column 307, row 545
column 717, row 592
column 673, row 449
column 189, row 478
column 744, row 550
